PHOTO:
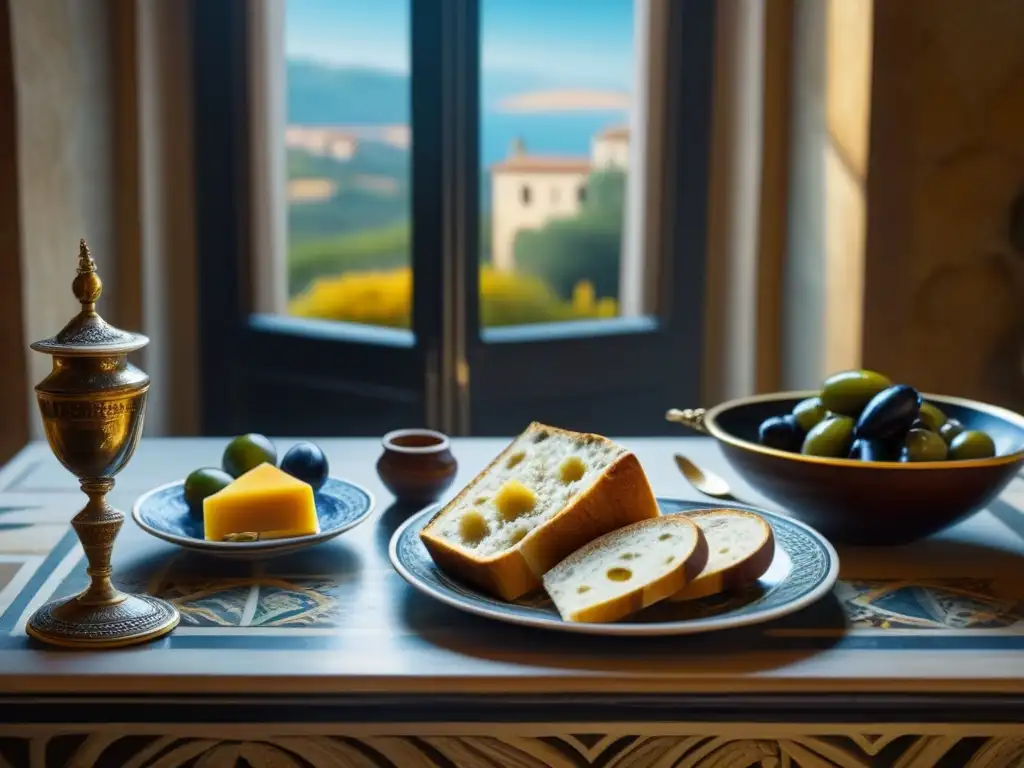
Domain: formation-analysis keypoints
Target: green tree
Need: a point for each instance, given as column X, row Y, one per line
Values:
column 586, row 246
column 373, row 249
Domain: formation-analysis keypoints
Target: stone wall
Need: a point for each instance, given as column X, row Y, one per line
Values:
column 101, row 149
column 14, row 389
column 62, row 67
column 944, row 305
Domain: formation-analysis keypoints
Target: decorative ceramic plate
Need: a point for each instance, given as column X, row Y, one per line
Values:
column 162, row 512
column 803, row 571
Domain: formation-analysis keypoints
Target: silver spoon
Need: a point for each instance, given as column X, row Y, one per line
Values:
column 704, row 480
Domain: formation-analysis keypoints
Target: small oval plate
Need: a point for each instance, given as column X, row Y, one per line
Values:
column 162, row 512
column 804, row 570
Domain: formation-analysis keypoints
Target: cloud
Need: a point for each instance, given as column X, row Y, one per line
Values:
column 566, row 100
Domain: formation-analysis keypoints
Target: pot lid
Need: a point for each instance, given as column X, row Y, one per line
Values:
column 88, row 334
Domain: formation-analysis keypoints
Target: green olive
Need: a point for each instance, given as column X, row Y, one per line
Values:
column 931, row 416
column 202, row 483
column 848, row 392
column 923, row 445
column 950, row 430
column 808, row 413
column 831, row 437
column 246, row 452
column 971, row 445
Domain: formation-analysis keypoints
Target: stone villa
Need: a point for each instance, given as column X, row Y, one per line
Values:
column 323, row 141
column 529, row 190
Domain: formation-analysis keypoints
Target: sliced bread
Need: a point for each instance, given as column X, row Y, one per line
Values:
column 741, row 547
column 627, row 570
column 546, row 495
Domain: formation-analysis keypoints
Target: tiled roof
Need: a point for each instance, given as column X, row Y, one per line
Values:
column 617, row 132
column 542, row 164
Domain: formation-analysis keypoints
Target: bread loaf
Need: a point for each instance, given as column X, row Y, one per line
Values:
column 627, row 570
column 741, row 547
column 546, row 495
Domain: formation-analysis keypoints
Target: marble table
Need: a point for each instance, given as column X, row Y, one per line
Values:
column 327, row 658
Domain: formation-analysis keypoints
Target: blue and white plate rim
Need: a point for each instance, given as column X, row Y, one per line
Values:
column 238, row 546
column 686, row 627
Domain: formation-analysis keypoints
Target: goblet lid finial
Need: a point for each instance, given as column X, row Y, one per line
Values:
column 85, row 262
column 87, row 285
column 88, row 333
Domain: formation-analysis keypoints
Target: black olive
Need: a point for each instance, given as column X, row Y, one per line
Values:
column 306, row 462
column 874, row 450
column 781, row 432
column 950, row 430
column 889, row 414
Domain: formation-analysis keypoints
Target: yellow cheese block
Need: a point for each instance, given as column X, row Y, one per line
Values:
column 265, row 501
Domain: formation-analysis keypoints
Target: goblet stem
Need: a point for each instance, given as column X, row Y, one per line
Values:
column 97, row 525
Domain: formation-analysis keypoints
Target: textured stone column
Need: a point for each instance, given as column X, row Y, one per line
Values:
column 944, row 288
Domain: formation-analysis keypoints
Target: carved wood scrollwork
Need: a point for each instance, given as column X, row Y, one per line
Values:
column 515, row 745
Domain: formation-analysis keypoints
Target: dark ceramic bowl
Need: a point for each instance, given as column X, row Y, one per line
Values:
column 417, row 465
column 860, row 502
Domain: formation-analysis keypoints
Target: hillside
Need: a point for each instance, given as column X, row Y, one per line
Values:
column 322, row 95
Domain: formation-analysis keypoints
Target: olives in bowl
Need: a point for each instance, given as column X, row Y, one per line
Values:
column 862, row 415
column 880, row 487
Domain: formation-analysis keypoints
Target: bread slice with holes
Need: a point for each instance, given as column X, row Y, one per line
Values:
column 627, row 570
column 741, row 547
column 546, row 495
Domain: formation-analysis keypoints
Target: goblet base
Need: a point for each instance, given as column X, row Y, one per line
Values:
column 125, row 620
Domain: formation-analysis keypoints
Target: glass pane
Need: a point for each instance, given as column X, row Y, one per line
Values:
column 347, row 140
column 556, row 84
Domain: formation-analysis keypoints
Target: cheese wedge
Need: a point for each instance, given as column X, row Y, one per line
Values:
column 264, row 501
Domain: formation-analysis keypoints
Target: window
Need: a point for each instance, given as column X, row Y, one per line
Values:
column 571, row 119
column 347, row 141
column 390, row 235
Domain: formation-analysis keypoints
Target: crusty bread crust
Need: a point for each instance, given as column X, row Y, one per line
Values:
column 691, row 563
column 619, row 496
column 737, row 575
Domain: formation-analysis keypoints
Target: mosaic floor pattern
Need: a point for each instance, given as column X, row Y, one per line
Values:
column 223, row 594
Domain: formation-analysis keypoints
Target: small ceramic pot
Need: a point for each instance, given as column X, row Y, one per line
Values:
column 417, row 465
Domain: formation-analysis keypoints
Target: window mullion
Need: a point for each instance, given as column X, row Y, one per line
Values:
column 460, row 195
column 428, row 251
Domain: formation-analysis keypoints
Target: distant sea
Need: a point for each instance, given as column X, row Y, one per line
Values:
column 560, row 133
column 350, row 97
column 544, row 133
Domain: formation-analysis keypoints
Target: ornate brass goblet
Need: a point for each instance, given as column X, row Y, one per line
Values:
column 93, row 404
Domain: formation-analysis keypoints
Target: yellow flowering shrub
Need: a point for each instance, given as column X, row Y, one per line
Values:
column 583, row 297
column 384, row 298
column 375, row 298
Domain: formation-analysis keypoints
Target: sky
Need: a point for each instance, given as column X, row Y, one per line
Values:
column 574, row 42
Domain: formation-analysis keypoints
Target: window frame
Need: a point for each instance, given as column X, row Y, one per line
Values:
column 657, row 356
column 309, row 369
column 449, row 373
